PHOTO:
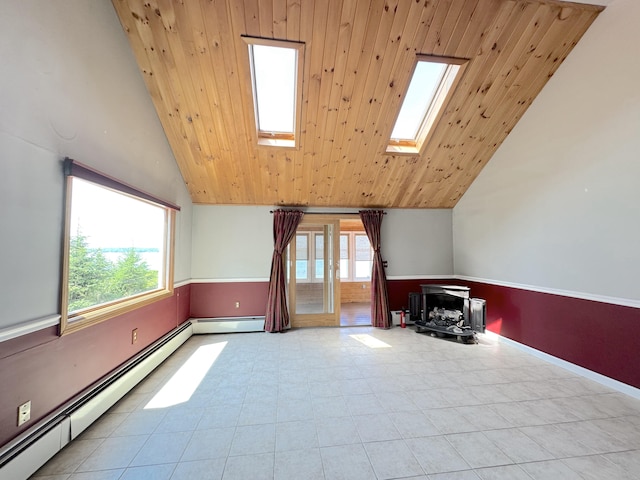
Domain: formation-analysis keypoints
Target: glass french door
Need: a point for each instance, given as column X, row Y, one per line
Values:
column 314, row 276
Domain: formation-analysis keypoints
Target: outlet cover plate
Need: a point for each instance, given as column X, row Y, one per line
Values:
column 24, row 413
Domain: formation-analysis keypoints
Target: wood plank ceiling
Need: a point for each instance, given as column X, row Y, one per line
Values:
column 359, row 55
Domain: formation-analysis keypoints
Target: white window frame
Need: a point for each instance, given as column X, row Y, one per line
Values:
column 314, row 276
column 311, row 254
column 347, row 277
column 308, row 259
column 352, row 257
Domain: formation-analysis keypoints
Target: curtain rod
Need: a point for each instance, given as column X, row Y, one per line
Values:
column 331, row 213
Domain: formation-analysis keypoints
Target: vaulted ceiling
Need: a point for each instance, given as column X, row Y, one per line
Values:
column 359, row 55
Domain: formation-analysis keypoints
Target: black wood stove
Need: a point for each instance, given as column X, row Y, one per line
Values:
column 448, row 310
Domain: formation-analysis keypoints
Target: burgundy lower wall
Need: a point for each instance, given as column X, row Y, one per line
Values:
column 49, row 370
column 594, row 335
column 183, row 296
column 219, row 299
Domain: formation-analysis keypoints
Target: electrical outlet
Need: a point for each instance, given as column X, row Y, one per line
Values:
column 134, row 336
column 237, row 304
column 24, row 413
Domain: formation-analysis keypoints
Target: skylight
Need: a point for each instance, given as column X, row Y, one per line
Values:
column 426, row 79
column 275, row 76
column 432, row 81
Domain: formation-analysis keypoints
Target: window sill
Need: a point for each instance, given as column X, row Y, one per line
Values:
column 93, row 317
column 276, row 142
column 401, row 150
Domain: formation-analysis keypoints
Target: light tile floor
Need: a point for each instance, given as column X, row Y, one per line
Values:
column 358, row 403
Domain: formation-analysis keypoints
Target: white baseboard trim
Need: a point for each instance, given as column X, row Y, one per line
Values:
column 572, row 367
column 27, row 462
column 227, row 325
column 625, row 302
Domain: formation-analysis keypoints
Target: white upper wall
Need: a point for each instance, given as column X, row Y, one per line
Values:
column 418, row 243
column 231, row 242
column 69, row 86
column 236, row 242
column 557, row 206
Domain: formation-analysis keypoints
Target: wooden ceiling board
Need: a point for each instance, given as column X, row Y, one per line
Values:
column 347, row 39
column 352, row 85
column 351, row 38
column 376, row 84
column 319, row 84
column 358, row 59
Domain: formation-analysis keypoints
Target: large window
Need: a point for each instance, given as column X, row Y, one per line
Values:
column 118, row 249
column 356, row 257
column 433, row 79
column 276, row 81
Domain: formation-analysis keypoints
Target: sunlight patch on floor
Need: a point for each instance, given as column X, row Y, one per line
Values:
column 370, row 341
column 185, row 381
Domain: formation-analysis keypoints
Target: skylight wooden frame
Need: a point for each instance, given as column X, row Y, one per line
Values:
column 269, row 138
column 450, row 80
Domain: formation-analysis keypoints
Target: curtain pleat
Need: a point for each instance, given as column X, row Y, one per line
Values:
column 285, row 223
column 380, row 314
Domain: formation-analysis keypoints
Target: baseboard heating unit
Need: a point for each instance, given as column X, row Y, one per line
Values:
column 227, row 324
column 27, row 453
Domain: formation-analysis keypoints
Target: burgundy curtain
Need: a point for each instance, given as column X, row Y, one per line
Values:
column 285, row 223
column 372, row 220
